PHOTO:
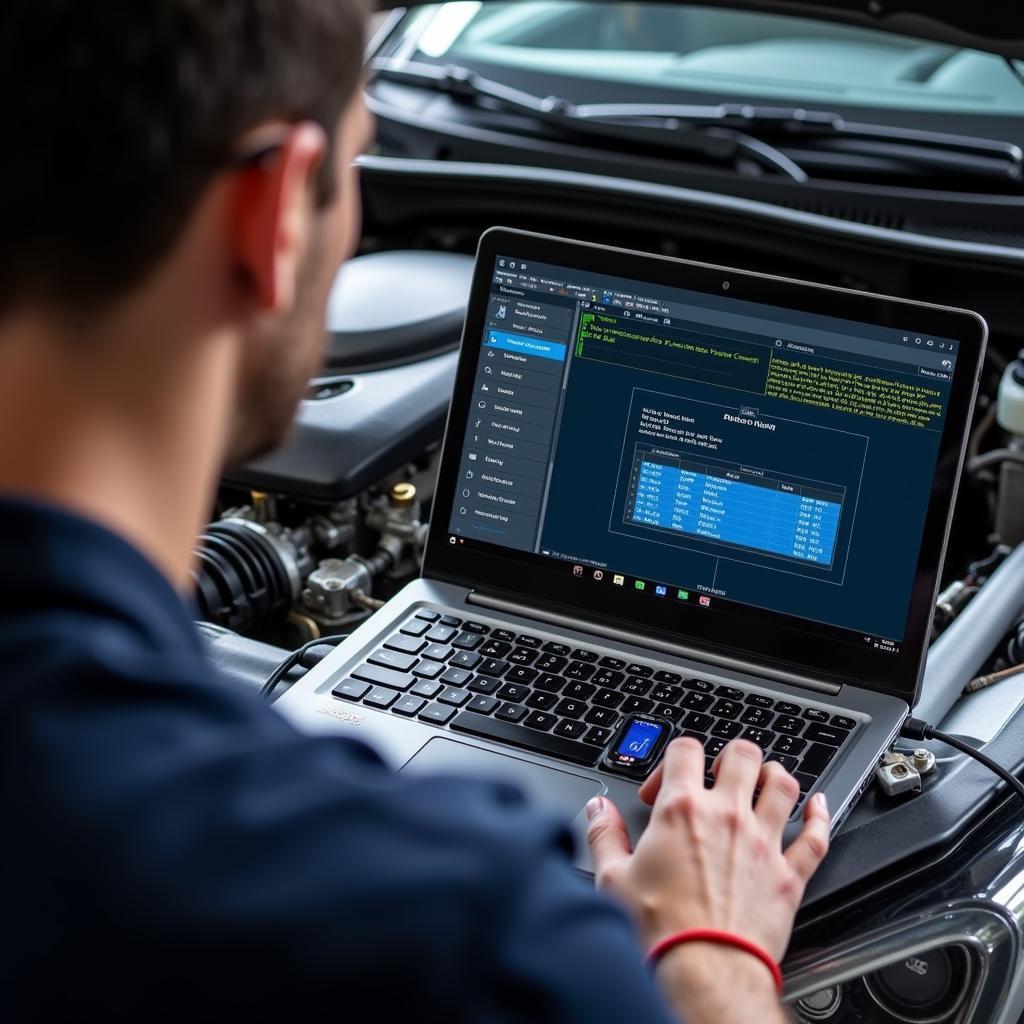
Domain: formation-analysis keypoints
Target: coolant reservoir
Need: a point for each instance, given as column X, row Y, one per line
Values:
column 1010, row 406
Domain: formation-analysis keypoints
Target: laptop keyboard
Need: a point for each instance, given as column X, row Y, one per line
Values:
column 564, row 701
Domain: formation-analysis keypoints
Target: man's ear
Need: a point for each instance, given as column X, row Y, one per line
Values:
column 274, row 211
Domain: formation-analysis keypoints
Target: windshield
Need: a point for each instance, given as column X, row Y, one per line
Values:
column 734, row 54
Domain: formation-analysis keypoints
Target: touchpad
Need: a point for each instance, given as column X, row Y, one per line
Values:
column 562, row 792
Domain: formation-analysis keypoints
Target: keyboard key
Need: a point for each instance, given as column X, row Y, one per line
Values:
column 392, row 659
column 465, row 659
column 666, row 694
column 729, row 693
column 510, row 712
column 816, row 733
column 644, row 671
column 579, row 691
column 467, row 641
column 415, row 628
column 786, row 760
column 761, row 717
column 607, row 677
column 456, row 696
column 789, row 725
column 578, row 670
column 697, row 701
column 636, row 686
column 698, row 722
column 484, row 684
column 518, row 674
column 726, row 709
column 806, row 781
column 570, row 729
column 581, row 654
column 607, row 699
column 789, row 745
column 427, row 615
column 616, row 664
column 492, row 667
column 785, row 708
column 541, row 701
column 522, row 656
column 457, row 677
column 408, row 644
column 476, row 627
column 714, row 746
column 442, row 634
column 602, row 716
column 351, row 689
column 569, row 708
column 529, row 739
column 841, row 722
column 525, row 640
column 669, row 678
column 637, row 706
column 382, row 677
column 381, row 697
column 482, row 704
column 759, row 700
column 598, row 736
column 428, row 670
column 504, row 635
column 816, row 715
column 514, row 692
column 762, row 737
column 495, row 649
column 408, row 706
column 540, row 720
column 427, row 688
column 701, row 685
column 669, row 711
column 437, row 652
column 817, row 758
column 550, row 663
column 726, row 730
column 549, row 683
column 562, row 650
column 450, row 620
column 437, row 714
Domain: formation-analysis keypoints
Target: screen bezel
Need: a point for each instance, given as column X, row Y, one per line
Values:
column 771, row 639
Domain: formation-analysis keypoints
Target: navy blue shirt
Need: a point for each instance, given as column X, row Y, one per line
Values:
column 173, row 849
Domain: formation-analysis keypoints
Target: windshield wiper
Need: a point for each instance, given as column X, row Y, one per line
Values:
column 714, row 141
column 726, row 130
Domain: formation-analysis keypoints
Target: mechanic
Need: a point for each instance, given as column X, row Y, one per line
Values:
column 179, row 192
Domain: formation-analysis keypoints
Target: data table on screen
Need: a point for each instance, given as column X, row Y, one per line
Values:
column 734, row 504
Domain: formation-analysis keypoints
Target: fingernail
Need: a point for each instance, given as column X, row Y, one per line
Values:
column 822, row 801
column 595, row 807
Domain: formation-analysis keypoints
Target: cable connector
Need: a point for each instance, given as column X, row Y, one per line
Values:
column 916, row 729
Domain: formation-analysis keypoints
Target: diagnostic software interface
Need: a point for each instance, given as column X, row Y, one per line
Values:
column 702, row 449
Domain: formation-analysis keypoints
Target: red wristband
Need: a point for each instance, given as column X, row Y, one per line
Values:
column 659, row 949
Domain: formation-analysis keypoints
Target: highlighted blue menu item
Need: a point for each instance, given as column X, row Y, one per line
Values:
column 526, row 346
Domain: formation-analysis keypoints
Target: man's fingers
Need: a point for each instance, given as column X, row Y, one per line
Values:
column 648, row 792
column 779, row 794
column 808, row 850
column 607, row 835
column 682, row 767
column 738, row 768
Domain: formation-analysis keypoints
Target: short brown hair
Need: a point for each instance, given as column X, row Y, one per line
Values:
column 119, row 112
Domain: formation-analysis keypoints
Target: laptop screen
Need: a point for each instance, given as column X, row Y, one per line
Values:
column 703, row 452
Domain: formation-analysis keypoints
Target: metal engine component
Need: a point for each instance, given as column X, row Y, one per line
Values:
column 337, row 587
column 898, row 777
column 1010, row 416
column 396, row 516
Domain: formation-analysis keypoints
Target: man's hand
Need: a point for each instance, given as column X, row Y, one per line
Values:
column 711, row 858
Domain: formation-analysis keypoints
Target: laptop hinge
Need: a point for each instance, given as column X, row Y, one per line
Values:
column 639, row 640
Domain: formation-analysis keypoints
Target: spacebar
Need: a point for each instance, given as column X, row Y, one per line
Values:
column 529, row 739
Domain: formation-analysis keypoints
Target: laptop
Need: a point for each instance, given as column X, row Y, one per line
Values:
column 673, row 499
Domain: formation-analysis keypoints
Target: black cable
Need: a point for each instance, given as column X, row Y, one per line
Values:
column 915, row 729
column 293, row 659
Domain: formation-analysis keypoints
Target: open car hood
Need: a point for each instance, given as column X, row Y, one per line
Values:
column 993, row 25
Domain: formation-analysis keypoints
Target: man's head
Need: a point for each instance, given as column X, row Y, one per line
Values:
column 130, row 122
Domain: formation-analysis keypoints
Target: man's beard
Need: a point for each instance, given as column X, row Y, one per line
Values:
column 289, row 354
